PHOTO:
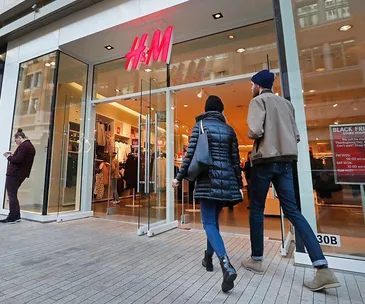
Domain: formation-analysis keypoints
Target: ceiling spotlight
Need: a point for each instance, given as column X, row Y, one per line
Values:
column 148, row 70
column 336, row 122
column 47, row 64
column 109, row 47
column 345, row 28
column 185, row 106
column 335, row 105
column 320, row 69
column 317, row 138
column 53, row 63
column 230, row 37
column 172, row 108
column 117, row 90
column 35, row 7
column 241, row 50
column 200, row 94
column 217, row 16
column 312, row 91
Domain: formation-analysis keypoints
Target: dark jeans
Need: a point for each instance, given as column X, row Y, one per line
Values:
column 12, row 186
column 280, row 174
column 210, row 211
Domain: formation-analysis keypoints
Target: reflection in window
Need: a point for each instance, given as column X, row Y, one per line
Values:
column 318, row 13
column 37, row 102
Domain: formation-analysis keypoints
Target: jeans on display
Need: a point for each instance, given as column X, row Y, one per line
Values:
column 210, row 211
column 12, row 185
column 280, row 174
column 115, row 189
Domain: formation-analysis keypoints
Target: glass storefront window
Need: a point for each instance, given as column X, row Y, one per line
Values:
column 68, row 135
column 333, row 74
column 111, row 79
column 225, row 54
column 32, row 114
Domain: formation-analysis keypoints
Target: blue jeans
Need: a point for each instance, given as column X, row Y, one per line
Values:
column 280, row 174
column 210, row 211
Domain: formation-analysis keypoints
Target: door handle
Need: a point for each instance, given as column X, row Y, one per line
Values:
column 139, row 153
column 147, row 154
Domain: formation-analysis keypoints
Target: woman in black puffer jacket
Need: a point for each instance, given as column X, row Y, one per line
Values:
column 222, row 184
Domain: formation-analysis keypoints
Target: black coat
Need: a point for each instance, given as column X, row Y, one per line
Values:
column 223, row 181
column 21, row 162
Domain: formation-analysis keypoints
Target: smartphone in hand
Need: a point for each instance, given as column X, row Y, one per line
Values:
column 7, row 154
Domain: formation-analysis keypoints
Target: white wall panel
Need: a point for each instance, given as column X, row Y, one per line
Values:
column 6, row 117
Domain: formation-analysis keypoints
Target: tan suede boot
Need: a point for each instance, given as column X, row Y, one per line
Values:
column 324, row 278
column 254, row 266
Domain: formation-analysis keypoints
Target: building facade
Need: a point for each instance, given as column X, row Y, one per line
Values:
column 129, row 78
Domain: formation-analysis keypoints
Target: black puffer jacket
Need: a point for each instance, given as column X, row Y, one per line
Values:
column 223, row 181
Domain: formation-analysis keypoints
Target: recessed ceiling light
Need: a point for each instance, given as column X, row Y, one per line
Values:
column 185, row 106
column 230, row 37
column 317, row 138
column 200, row 94
column 336, row 122
column 47, row 64
column 355, row 109
column 312, row 91
column 217, row 16
column 172, row 108
column 109, row 47
column 117, row 90
column 241, row 50
column 152, row 109
column 320, row 69
column 147, row 70
column 335, row 105
column 345, row 28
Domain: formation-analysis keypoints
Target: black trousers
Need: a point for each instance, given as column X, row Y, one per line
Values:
column 12, row 186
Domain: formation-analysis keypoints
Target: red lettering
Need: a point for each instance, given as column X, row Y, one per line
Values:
column 160, row 49
column 137, row 54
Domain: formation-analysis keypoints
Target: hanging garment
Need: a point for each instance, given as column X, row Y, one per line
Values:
column 99, row 185
column 161, row 172
column 130, row 173
column 101, row 141
column 105, row 167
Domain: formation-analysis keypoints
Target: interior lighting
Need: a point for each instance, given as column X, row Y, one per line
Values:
column 200, row 94
column 336, row 122
column 185, row 106
column 109, row 47
column 320, row 70
column 230, row 37
column 345, row 28
column 148, row 70
column 335, row 105
column 47, row 64
column 53, row 63
column 217, row 16
column 240, row 50
column 312, row 91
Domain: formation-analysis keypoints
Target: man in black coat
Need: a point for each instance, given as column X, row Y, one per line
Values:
column 20, row 165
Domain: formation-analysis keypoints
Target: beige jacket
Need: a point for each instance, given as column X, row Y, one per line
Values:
column 271, row 123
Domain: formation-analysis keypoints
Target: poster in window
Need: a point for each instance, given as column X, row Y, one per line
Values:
column 348, row 147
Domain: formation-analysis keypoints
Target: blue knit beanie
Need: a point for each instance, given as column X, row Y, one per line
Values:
column 264, row 79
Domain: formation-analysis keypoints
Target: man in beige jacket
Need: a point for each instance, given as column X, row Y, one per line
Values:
column 272, row 126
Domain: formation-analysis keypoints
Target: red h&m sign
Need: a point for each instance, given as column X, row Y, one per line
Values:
column 158, row 50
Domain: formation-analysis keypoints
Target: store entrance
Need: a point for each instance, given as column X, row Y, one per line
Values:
column 130, row 160
column 236, row 97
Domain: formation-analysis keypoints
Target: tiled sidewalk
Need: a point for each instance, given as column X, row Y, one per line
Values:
column 101, row 261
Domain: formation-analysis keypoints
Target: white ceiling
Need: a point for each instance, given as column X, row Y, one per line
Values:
column 191, row 20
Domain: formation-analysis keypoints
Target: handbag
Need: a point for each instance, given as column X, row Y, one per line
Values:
column 202, row 158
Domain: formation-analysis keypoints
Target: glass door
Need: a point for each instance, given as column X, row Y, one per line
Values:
column 67, row 143
column 152, row 165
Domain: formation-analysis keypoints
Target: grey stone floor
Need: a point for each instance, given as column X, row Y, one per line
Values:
column 103, row 261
